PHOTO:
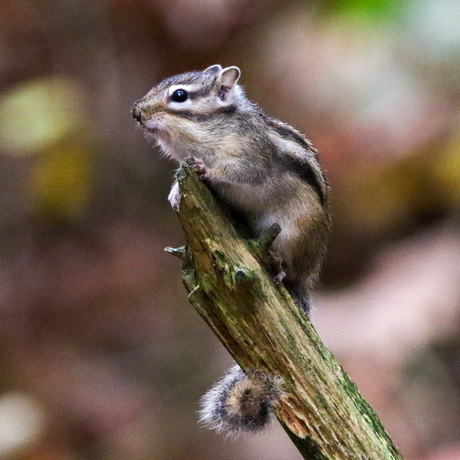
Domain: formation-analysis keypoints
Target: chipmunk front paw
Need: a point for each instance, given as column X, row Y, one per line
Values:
column 197, row 164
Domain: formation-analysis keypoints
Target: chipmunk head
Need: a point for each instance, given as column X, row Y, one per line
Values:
column 179, row 110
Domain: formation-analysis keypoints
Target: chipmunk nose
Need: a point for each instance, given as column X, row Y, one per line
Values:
column 136, row 113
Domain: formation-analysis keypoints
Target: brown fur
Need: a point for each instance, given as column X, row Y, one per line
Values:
column 261, row 169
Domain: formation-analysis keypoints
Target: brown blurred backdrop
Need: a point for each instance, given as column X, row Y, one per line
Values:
column 101, row 357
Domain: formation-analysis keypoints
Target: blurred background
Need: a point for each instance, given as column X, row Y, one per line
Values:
column 101, row 356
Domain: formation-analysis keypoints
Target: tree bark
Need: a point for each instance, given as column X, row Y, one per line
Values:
column 261, row 326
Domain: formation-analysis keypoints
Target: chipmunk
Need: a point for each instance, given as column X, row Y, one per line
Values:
column 262, row 170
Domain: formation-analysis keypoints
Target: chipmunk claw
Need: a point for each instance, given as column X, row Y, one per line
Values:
column 278, row 279
column 197, row 164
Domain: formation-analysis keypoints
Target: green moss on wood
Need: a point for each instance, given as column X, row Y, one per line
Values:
column 323, row 412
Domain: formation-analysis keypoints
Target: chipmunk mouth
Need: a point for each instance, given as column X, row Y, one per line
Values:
column 150, row 122
column 156, row 130
column 154, row 126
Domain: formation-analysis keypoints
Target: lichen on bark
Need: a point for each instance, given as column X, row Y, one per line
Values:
column 261, row 326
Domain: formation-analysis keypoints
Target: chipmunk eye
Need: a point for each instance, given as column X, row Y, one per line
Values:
column 180, row 95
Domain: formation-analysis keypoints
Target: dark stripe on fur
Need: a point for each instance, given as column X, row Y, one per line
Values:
column 198, row 94
column 284, row 131
column 305, row 172
column 200, row 117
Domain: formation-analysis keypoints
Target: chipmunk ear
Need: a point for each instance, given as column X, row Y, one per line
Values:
column 227, row 79
column 213, row 69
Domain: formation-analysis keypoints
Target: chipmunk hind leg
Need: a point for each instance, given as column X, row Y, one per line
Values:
column 300, row 292
column 297, row 274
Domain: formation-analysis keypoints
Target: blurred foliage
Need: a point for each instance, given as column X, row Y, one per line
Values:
column 60, row 183
column 447, row 171
column 38, row 114
column 45, row 118
column 369, row 10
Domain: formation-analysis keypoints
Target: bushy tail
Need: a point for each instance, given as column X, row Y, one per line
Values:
column 241, row 403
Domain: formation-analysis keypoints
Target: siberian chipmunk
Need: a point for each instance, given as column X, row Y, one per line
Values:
column 261, row 169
